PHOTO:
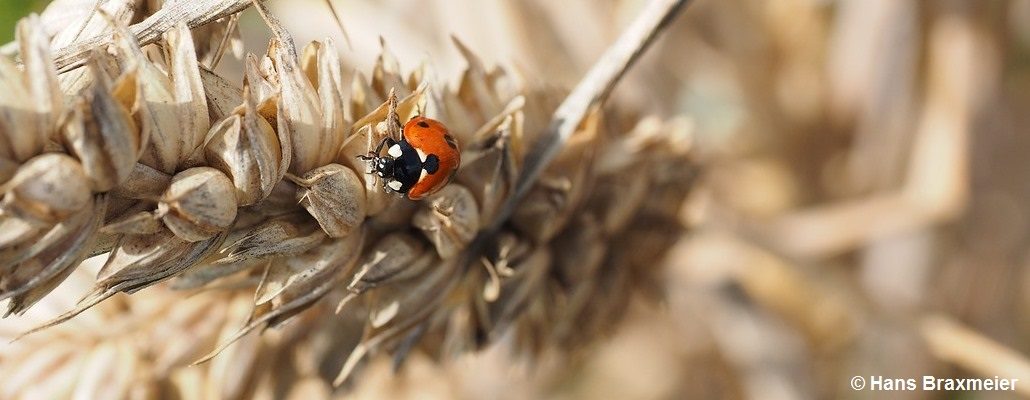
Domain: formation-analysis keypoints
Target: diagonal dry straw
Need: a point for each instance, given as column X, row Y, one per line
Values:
column 590, row 92
column 193, row 13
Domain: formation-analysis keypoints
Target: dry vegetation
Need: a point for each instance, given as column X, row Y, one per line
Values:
column 778, row 196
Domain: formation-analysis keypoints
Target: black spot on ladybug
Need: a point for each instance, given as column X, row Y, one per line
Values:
column 423, row 124
column 450, row 141
column 431, row 164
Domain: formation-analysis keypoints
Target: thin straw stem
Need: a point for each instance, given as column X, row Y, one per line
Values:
column 592, row 90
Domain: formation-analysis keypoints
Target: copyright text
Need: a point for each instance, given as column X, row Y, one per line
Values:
column 931, row 383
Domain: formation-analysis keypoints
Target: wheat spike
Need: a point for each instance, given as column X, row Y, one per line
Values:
column 253, row 199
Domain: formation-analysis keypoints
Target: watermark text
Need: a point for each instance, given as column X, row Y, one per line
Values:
column 880, row 383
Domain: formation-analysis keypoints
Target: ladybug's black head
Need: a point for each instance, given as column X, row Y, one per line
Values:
column 383, row 166
column 399, row 169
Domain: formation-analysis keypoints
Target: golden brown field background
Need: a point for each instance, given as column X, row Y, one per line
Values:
column 864, row 207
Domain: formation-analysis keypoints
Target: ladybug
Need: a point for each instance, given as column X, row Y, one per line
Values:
column 421, row 163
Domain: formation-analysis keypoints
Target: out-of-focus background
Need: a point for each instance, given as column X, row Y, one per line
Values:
column 11, row 10
column 865, row 205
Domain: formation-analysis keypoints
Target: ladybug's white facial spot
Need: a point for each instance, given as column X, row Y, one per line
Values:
column 395, row 185
column 395, row 151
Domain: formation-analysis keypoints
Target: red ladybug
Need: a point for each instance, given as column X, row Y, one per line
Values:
column 421, row 163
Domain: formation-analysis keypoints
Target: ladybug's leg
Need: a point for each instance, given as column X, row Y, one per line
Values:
column 375, row 153
column 386, row 141
column 381, row 167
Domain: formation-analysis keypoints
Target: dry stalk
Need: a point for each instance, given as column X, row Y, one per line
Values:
column 593, row 90
column 950, row 341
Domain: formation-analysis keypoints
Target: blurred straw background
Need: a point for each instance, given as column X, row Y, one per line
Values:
column 864, row 210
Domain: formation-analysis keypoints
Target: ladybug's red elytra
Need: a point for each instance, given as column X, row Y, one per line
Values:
column 421, row 163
